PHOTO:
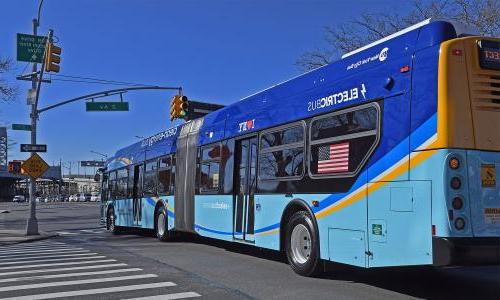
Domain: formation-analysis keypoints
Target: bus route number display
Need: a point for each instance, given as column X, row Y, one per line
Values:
column 489, row 54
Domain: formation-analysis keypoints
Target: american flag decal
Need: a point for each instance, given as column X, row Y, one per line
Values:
column 333, row 158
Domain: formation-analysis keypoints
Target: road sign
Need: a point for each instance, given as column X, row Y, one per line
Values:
column 35, row 166
column 30, row 48
column 107, row 106
column 33, row 148
column 92, row 163
column 25, row 127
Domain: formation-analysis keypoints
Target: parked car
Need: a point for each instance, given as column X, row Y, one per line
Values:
column 83, row 197
column 73, row 198
column 18, row 198
column 39, row 199
column 95, row 196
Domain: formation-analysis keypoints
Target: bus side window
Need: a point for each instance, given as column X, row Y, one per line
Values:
column 341, row 142
column 121, row 183
column 150, row 177
column 210, row 157
column 112, row 185
column 165, row 175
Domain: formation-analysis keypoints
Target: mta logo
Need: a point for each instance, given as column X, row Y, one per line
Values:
column 383, row 54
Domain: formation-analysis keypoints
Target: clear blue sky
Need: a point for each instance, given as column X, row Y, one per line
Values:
column 218, row 51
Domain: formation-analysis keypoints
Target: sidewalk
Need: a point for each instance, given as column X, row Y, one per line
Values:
column 8, row 237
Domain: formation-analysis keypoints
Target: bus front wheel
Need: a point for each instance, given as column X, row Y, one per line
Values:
column 161, row 225
column 302, row 247
column 110, row 221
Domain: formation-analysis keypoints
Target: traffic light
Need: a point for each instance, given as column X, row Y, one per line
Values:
column 52, row 58
column 14, row 167
column 184, row 108
column 175, row 107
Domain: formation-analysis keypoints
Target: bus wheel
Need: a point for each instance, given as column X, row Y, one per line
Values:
column 110, row 221
column 302, row 247
column 161, row 225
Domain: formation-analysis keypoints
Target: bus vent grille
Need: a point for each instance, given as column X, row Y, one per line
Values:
column 486, row 92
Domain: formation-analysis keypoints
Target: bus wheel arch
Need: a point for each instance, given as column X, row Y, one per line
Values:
column 299, row 238
column 111, row 220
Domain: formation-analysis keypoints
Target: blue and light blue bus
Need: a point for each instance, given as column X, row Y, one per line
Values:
column 386, row 157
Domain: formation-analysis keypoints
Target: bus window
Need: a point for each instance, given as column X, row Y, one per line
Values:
column 209, row 168
column 112, row 184
column 121, row 184
column 165, row 177
column 342, row 142
column 282, row 153
column 150, row 177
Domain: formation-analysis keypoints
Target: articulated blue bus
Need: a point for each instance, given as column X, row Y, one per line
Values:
column 387, row 157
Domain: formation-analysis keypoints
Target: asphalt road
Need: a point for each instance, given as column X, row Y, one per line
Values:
column 191, row 266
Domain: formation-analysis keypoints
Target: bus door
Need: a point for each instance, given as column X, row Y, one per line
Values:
column 137, row 195
column 245, row 185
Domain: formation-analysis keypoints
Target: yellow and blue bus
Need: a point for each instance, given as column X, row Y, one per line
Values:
column 386, row 157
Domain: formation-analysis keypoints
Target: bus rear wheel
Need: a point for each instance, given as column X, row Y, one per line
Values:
column 162, row 232
column 302, row 247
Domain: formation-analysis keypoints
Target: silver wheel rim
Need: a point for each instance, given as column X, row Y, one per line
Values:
column 161, row 224
column 111, row 221
column 301, row 243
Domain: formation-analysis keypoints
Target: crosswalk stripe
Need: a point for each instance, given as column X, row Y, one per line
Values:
column 47, row 260
column 58, row 264
column 38, row 250
column 74, row 282
column 42, row 277
column 47, row 256
column 34, row 254
column 169, row 296
column 33, row 246
column 94, row 291
column 66, row 233
column 63, row 269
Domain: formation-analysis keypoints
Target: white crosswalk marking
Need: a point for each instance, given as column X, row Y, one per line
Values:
column 46, row 260
column 169, row 296
column 94, row 291
column 47, row 270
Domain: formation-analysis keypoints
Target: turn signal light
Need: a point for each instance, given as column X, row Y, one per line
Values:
column 459, row 223
column 457, row 203
column 455, row 183
column 454, row 163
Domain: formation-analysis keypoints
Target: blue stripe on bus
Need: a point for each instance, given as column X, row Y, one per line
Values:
column 198, row 227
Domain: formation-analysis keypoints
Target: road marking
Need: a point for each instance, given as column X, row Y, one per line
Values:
column 35, row 247
column 47, row 256
column 63, row 269
column 94, row 291
column 58, row 264
column 41, row 277
column 35, row 254
column 74, row 282
column 47, row 260
column 169, row 296
column 66, row 233
column 37, row 250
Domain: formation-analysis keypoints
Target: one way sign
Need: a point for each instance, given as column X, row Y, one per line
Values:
column 33, row 148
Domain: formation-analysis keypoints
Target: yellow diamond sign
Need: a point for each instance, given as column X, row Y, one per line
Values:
column 35, row 166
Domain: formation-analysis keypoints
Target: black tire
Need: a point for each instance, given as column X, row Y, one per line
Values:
column 161, row 225
column 303, row 251
column 110, row 221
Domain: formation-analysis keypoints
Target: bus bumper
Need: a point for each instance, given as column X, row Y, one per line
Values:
column 466, row 251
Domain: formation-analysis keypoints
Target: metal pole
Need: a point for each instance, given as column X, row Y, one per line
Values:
column 32, row 223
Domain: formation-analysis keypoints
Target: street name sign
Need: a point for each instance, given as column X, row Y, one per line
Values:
column 33, row 148
column 30, row 48
column 92, row 163
column 106, row 106
column 25, row 127
column 35, row 166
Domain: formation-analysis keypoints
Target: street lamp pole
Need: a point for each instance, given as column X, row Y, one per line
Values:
column 32, row 222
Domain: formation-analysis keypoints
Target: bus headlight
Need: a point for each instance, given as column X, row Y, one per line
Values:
column 459, row 223
column 455, row 183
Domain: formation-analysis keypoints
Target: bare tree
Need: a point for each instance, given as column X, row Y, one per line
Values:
column 481, row 15
column 7, row 92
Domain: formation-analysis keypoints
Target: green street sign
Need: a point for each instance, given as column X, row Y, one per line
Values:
column 25, row 127
column 30, row 48
column 106, row 106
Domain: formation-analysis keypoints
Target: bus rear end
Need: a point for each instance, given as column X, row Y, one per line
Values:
column 469, row 128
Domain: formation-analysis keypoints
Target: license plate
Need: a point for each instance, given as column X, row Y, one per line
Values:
column 488, row 176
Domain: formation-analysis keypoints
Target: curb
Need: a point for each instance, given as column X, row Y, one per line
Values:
column 29, row 239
